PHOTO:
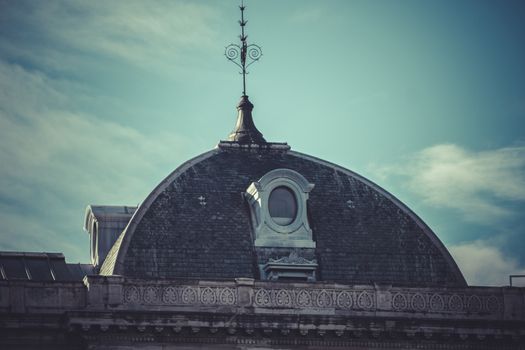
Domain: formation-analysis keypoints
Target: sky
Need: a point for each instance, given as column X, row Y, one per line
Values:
column 100, row 100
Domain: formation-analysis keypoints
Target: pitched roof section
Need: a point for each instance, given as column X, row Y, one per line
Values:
column 40, row 267
column 115, row 255
column 363, row 234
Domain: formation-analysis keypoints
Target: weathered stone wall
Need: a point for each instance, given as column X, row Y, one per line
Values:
column 246, row 314
column 33, row 314
column 41, row 297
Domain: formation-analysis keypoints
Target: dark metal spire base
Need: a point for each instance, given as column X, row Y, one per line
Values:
column 245, row 131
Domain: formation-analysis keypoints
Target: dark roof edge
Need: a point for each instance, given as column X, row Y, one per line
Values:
column 115, row 266
column 426, row 229
column 33, row 255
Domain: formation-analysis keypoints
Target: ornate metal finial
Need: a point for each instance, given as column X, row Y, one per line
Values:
column 243, row 55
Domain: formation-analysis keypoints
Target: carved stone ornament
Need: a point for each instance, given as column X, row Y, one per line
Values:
column 292, row 266
column 358, row 299
column 293, row 259
column 271, row 231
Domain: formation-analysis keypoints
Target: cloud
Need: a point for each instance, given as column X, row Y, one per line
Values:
column 482, row 186
column 61, row 146
column 22, row 231
column 144, row 33
column 56, row 160
column 483, row 264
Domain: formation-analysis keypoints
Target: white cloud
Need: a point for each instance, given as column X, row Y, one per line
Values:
column 480, row 185
column 484, row 264
column 56, row 160
column 145, row 33
column 26, row 232
column 57, row 154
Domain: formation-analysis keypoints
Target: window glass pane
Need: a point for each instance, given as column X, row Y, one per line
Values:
column 282, row 205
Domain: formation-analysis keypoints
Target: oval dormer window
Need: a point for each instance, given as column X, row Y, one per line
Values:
column 278, row 203
column 282, row 205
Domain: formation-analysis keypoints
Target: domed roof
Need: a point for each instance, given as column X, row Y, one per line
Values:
column 197, row 223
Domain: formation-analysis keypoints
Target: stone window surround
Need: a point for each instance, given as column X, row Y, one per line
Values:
column 267, row 232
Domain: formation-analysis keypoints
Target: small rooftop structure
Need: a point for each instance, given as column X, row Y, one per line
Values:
column 245, row 130
column 104, row 223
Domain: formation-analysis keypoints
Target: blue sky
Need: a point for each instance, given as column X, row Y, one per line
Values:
column 100, row 100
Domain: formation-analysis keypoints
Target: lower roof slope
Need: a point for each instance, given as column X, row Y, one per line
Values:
column 42, row 267
column 376, row 239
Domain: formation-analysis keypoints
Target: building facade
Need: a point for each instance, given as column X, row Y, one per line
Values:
column 255, row 246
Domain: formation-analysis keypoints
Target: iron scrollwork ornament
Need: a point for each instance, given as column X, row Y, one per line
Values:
column 234, row 51
column 245, row 54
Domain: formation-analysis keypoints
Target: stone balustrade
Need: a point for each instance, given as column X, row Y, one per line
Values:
column 495, row 303
column 116, row 292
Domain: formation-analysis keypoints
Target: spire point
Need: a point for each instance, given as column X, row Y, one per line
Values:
column 243, row 55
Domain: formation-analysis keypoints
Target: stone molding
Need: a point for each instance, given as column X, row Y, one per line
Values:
column 116, row 292
column 320, row 298
column 272, row 146
column 317, row 298
column 293, row 259
column 194, row 338
column 179, row 295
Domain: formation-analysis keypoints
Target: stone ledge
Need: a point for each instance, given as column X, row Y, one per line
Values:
column 269, row 146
